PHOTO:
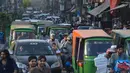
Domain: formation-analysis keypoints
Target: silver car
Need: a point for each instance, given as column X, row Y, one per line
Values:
column 25, row 48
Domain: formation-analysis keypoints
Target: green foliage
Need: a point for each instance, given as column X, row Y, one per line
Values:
column 5, row 19
column 26, row 3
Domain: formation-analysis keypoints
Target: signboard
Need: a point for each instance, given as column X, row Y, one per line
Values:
column 78, row 13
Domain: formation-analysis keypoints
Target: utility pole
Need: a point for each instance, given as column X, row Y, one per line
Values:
column 15, row 9
column 53, row 6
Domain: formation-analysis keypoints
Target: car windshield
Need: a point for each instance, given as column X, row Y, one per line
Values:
column 41, row 29
column 33, row 48
column 59, row 32
column 97, row 47
column 24, row 35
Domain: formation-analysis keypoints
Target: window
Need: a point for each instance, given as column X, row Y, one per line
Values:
column 33, row 48
column 96, row 47
column 24, row 35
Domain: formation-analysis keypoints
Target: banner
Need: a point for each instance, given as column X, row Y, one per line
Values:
column 113, row 4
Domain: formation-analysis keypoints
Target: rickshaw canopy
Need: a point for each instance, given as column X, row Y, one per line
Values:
column 20, row 23
column 86, row 34
column 122, row 33
column 31, row 27
column 45, row 22
column 90, row 33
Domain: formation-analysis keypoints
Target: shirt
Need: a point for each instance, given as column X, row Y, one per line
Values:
column 46, row 65
column 63, row 44
column 55, row 41
column 102, row 68
column 115, row 57
column 38, row 70
column 9, row 67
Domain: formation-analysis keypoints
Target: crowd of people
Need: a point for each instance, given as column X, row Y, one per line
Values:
column 37, row 65
column 116, row 61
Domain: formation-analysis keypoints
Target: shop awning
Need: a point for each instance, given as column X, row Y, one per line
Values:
column 118, row 7
column 96, row 11
column 73, row 9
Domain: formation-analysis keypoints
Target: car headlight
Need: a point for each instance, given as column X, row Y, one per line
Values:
column 56, row 64
column 22, row 67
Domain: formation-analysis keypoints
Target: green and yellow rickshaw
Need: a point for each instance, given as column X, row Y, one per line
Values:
column 18, row 30
column 59, row 30
column 41, row 25
column 87, row 44
column 122, row 37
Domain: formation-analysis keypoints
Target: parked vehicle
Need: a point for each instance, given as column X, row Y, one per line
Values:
column 55, row 19
column 25, row 48
column 87, row 44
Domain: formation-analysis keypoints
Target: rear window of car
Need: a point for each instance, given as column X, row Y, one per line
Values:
column 33, row 48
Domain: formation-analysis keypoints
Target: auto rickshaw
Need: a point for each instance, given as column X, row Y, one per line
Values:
column 122, row 37
column 59, row 30
column 41, row 25
column 21, row 29
column 86, row 45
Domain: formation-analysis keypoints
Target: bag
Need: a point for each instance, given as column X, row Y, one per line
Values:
column 122, row 65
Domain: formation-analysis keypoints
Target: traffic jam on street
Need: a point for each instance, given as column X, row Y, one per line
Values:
column 64, row 36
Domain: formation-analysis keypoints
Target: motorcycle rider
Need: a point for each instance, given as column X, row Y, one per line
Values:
column 106, row 58
column 119, row 55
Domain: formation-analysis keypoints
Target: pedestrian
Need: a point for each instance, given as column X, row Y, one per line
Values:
column 102, row 62
column 7, row 64
column 32, row 63
column 53, row 40
column 119, row 55
column 64, row 41
column 69, row 45
column 44, row 36
column 55, row 48
column 41, row 68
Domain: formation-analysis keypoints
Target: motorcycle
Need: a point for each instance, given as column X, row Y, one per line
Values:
column 68, row 66
column 67, row 61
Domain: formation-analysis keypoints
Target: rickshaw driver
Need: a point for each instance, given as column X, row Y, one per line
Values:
column 23, row 35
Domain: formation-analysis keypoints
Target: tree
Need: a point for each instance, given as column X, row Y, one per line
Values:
column 26, row 3
column 5, row 20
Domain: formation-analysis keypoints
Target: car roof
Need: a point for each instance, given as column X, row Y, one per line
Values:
column 32, row 40
column 122, row 33
column 90, row 33
column 20, row 23
column 64, row 24
column 22, row 26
